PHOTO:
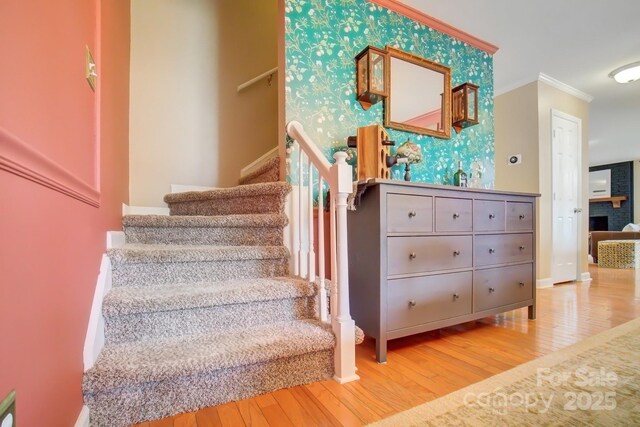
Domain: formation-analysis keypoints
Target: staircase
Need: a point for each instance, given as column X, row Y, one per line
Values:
column 202, row 310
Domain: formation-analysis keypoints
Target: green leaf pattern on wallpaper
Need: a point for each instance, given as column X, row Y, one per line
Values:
column 322, row 37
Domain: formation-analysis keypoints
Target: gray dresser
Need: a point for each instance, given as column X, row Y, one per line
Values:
column 423, row 257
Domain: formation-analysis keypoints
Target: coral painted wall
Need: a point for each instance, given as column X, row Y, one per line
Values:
column 322, row 38
column 63, row 178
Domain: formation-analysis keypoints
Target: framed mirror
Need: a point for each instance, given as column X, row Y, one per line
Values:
column 419, row 98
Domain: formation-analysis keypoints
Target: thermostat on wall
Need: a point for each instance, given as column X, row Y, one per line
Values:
column 515, row 159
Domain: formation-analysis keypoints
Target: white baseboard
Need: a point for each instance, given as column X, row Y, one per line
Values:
column 544, row 283
column 143, row 210
column 179, row 188
column 83, row 418
column 115, row 239
column 94, row 340
column 259, row 162
column 585, row 277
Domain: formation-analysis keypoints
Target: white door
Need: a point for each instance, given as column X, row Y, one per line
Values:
column 565, row 143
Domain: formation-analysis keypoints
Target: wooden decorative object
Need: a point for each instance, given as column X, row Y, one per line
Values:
column 464, row 106
column 372, row 143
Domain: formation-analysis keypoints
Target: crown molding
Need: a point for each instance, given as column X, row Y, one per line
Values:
column 541, row 77
column 436, row 24
column 564, row 87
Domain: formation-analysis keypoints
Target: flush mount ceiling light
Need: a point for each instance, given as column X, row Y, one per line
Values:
column 626, row 74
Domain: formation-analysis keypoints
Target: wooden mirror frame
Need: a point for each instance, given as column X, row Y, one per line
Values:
column 445, row 133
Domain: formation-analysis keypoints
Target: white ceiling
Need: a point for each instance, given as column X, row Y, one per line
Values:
column 577, row 42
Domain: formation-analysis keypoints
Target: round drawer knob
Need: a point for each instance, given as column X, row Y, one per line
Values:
column 492, row 216
column 412, row 214
column 521, row 248
column 412, row 255
column 491, row 290
column 521, row 217
column 456, row 296
column 456, row 253
column 412, row 303
column 456, row 215
column 521, row 284
column 492, row 251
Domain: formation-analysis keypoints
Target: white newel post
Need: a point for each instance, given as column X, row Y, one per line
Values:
column 342, row 323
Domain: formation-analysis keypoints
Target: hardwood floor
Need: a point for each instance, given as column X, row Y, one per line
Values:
column 425, row 366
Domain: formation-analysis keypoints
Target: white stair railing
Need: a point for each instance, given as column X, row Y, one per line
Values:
column 311, row 163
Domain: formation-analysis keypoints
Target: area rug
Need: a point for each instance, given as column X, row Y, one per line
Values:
column 595, row 382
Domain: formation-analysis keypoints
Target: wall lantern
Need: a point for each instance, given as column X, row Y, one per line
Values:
column 464, row 106
column 370, row 87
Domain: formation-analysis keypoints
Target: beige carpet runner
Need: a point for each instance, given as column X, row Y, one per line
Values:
column 595, row 382
column 203, row 311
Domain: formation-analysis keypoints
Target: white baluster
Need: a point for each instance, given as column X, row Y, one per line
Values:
column 311, row 258
column 321, row 278
column 300, row 257
column 295, row 221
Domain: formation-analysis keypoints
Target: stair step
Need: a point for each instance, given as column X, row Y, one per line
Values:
column 146, row 265
column 267, row 172
column 135, row 382
column 245, row 229
column 191, row 309
column 266, row 197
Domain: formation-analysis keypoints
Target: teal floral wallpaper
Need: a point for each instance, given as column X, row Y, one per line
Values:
column 322, row 37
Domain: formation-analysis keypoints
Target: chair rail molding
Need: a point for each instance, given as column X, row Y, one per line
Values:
column 19, row 158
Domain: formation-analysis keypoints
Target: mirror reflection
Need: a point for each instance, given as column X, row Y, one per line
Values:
column 419, row 95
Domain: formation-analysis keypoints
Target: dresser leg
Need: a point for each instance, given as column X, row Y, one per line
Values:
column 532, row 312
column 381, row 350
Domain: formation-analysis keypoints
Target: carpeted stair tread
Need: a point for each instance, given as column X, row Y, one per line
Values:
column 267, row 172
column 265, row 197
column 204, row 221
column 278, row 188
column 122, row 365
column 130, row 300
column 223, row 230
column 132, row 253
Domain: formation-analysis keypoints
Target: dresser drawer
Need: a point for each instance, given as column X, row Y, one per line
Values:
column 453, row 214
column 426, row 299
column 503, row 248
column 519, row 216
column 496, row 287
column 429, row 253
column 488, row 215
column 406, row 213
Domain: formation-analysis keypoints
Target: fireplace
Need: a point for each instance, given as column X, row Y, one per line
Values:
column 599, row 223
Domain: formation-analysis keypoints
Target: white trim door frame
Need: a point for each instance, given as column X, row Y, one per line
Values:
column 566, row 183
